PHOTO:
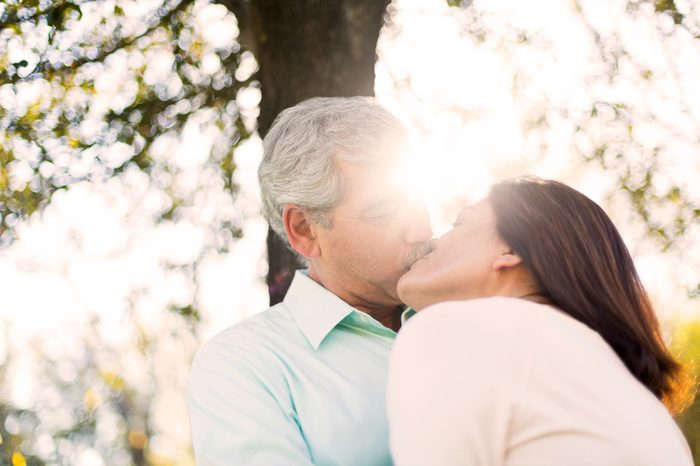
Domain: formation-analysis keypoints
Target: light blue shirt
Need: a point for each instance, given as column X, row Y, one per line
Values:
column 299, row 384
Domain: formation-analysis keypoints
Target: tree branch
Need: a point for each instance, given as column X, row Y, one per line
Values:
column 44, row 66
column 13, row 17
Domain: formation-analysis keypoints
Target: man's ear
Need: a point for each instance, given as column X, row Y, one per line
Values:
column 507, row 260
column 300, row 231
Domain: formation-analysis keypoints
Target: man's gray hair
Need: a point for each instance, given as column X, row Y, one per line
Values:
column 301, row 148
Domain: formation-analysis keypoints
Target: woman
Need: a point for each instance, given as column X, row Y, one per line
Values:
column 560, row 362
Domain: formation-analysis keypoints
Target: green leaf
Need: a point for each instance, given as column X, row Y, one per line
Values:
column 73, row 7
column 187, row 311
column 669, row 7
column 694, row 293
column 20, row 63
column 55, row 17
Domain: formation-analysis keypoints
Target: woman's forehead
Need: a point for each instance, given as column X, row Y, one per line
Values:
column 478, row 209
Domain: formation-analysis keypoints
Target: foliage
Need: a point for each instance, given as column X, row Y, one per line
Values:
column 628, row 109
column 89, row 87
column 102, row 93
column 93, row 405
column 687, row 345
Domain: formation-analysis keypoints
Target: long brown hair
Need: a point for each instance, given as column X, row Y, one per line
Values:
column 578, row 259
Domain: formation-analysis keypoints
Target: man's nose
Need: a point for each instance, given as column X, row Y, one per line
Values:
column 418, row 229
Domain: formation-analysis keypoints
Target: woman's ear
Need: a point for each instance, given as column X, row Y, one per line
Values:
column 506, row 260
column 300, row 231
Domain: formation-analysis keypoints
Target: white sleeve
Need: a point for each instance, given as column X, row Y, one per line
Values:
column 236, row 417
column 451, row 374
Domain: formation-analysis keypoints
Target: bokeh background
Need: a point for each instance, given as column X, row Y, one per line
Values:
column 130, row 134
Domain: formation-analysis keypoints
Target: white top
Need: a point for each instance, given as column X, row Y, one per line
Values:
column 506, row 382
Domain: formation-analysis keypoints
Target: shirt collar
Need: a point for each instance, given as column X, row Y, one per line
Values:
column 315, row 309
column 407, row 314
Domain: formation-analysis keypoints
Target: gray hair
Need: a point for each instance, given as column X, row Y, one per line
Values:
column 300, row 149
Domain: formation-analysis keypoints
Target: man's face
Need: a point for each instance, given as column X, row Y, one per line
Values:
column 376, row 232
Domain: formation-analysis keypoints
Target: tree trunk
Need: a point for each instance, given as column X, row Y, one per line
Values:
column 309, row 48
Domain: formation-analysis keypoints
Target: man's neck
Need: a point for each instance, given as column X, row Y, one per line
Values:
column 390, row 317
column 387, row 315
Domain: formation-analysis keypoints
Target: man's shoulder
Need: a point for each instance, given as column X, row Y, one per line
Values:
column 255, row 338
column 256, row 329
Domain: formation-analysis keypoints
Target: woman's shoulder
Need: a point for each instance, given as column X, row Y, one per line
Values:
column 496, row 315
column 489, row 315
column 502, row 328
column 489, row 306
column 490, row 335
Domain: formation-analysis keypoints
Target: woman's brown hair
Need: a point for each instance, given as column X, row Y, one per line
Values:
column 580, row 263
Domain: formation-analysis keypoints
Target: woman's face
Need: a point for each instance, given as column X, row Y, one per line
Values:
column 462, row 265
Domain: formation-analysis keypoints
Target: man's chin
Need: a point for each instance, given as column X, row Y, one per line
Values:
column 391, row 295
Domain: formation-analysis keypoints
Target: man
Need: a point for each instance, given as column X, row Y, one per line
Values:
column 303, row 382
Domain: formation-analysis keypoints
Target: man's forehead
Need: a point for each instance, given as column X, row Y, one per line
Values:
column 371, row 188
column 367, row 175
column 381, row 192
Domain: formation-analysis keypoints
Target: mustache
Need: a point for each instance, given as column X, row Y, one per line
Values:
column 418, row 251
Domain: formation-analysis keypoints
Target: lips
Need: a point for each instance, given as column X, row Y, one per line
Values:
column 416, row 254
